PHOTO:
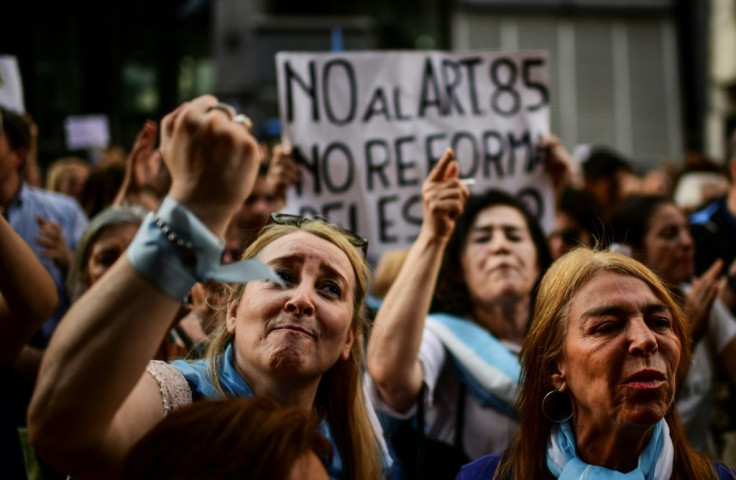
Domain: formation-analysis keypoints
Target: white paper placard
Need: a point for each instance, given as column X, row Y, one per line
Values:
column 11, row 87
column 369, row 126
column 87, row 131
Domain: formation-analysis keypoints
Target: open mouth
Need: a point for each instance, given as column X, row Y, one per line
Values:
column 646, row 380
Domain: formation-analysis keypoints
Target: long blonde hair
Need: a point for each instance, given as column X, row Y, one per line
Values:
column 543, row 347
column 340, row 394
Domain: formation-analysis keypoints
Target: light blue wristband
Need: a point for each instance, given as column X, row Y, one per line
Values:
column 173, row 250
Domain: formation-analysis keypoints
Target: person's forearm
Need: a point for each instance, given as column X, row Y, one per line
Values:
column 27, row 362
column 27, row 290
column 392, row 357
column 100, row 350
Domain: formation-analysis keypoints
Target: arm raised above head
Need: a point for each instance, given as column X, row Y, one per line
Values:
column 90, row 404
column 393, row 349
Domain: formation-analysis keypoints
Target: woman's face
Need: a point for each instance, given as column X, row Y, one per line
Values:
column 72, row 180
column 301, row 329
column 107, row 248
column 620, row 354
column 668, row 246
column 499, row 257
column 567, row 235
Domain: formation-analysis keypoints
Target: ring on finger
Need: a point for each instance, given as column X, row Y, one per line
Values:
column 243, row 120
column 225, row 108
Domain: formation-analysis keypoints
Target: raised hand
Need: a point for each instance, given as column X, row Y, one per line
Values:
column 559, row 164
column 699, row 300
column 51, row 238
column 283, row 171
column 141, row 167
column 212, row 159
column 444, row 196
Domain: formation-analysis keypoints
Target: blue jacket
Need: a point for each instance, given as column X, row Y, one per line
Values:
column 485, row 466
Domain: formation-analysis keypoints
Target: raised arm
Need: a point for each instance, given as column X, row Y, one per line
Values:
column 141, row 168
column 560, row 165
column 27, row 293
column 393, row 349
column 282, row 172
column 699, row 301
column 91, row 402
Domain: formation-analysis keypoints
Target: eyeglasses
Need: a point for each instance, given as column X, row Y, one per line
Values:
column 297, row 220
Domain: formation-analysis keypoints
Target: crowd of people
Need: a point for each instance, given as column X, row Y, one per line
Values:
column 162, row 318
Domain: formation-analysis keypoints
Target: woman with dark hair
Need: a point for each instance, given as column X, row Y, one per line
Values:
column 600, row 367
column 653, row 230
column 271, row 442
column 475, row 264
column 578, row 222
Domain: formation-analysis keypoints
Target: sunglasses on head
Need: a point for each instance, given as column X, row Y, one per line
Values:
column 297, row 220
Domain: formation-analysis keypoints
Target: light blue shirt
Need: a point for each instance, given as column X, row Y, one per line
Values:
column 21, row 213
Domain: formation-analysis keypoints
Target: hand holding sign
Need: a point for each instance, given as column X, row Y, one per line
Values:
column 444, row 196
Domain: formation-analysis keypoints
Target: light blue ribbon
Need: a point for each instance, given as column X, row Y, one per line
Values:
column 486, row 367
column 172, row 269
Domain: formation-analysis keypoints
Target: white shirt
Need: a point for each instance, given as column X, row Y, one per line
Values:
column 485, row 430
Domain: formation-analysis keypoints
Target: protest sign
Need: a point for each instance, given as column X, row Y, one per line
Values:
column 367, row 127
column 87, row 131
column 11, row 88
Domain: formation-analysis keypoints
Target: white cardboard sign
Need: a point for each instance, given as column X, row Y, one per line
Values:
column 367, row 127
column 11, row 87
column 87, row 131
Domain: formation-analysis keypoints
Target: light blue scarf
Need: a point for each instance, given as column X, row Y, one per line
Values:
column 655, row 462
column 198, row 377
column 486, row 367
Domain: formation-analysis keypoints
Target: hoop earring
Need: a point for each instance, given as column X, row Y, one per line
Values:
column 554, row 401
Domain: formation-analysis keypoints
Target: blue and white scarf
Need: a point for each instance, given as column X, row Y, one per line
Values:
column 655, row 461
column 486, row 367
column 198, row 377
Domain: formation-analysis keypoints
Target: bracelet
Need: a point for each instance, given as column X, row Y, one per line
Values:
column 173, row 250
column 188, row 257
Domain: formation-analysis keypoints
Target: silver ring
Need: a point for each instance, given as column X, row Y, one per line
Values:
column 243, row 120
column 225, row 108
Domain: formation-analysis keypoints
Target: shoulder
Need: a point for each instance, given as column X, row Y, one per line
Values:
column 41, row 195
column 481, row 468
column 723, row 471
column 59, row 203
column 174, row 389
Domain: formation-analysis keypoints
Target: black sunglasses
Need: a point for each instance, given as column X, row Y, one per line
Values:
column 297, row 220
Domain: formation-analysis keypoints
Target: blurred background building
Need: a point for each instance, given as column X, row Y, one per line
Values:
column 652, row 78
